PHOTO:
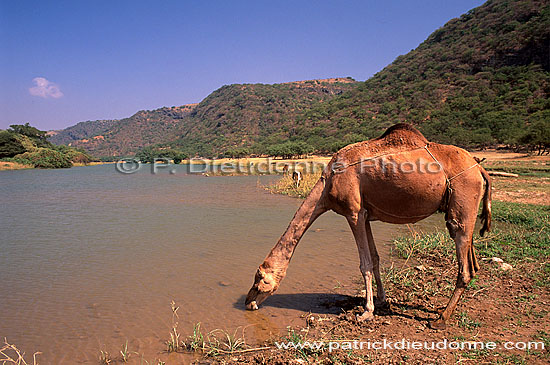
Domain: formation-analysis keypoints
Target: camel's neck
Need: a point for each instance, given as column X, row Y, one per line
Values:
column 278, row 259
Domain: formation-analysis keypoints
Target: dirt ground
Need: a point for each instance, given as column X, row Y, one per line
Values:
column 530, row 190
column 499, row 307
column 533, row 184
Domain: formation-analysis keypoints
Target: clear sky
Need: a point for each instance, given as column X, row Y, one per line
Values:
column 63, row 62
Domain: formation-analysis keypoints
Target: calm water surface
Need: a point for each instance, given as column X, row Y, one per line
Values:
column 90, row 258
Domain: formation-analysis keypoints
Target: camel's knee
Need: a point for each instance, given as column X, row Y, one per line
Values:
column 453, row 226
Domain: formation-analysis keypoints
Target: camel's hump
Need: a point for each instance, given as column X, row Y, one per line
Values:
column 403, row 130
column 397, row 137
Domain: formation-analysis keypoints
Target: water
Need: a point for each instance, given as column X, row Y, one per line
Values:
column 91, row 258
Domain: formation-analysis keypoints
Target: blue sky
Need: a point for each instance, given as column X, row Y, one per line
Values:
column 63, row 62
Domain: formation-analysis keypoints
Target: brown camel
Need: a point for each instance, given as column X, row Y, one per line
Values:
column 398, row 178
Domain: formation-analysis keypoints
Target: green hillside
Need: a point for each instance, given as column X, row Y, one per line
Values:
column 127, row 136
column 481, row 79
column 80, row 131
column 233, row 115
column 241, row 115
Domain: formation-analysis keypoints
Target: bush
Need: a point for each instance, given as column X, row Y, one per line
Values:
column 74, row 155
column 44, row 158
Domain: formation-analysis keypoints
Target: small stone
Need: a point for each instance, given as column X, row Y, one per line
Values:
column 420, row 268
column 501, row 264
column 505, row 267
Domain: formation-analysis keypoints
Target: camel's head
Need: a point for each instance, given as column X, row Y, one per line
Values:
column 264, row 285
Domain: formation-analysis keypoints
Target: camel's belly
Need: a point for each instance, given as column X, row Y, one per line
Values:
column 402, row 189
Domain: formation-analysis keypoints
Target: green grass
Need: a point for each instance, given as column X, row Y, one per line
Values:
column 524, row 236
column 125, row 353
column 521, row 237
column 464, row 321
column 521, row 232
column 306, row 353
column 524, row 168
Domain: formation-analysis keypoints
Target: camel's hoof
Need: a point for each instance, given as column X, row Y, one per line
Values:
column 438, row 324
column 367, row 316
column 382, row 304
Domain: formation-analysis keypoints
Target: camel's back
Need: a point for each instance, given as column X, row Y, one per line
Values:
column 397, row 177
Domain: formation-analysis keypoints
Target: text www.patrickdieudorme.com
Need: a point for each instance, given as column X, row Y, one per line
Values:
column 405, row 344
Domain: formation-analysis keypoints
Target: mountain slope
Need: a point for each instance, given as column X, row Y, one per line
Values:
column 482, row 78
column 80, row 130
column 128, row 135
column 240, row 115
column 231, row 116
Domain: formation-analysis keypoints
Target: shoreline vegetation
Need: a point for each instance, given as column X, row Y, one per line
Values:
column 24, row 147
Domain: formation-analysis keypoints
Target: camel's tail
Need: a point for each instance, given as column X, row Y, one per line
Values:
column 486, row 211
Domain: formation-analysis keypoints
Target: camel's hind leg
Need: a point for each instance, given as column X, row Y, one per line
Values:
column 357, row 222
column 460, row 223
column 380, row 293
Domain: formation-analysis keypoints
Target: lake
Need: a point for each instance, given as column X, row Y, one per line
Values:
column 91, row 258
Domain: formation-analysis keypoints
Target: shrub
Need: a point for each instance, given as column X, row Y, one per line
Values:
column 44, row 158
column 10, row 145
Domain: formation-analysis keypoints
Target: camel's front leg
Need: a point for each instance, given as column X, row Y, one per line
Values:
column 380, row 293
column 357, row 224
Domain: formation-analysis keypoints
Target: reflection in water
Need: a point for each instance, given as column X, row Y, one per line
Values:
column 92, row 258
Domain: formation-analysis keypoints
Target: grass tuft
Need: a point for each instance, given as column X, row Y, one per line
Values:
column 287, row 186
column 174, row 344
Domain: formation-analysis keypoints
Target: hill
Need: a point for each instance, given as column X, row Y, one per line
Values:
column 243, row 115
column 80, row 131
column 232, row 115
column 481, row 79
column 125, row 136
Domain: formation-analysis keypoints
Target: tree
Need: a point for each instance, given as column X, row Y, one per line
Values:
column 38, row 136
column 146, row 154
column 10, row 145
column 538, row 136
column 45, row 158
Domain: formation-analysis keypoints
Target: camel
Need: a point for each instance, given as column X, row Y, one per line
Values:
column 397, row 178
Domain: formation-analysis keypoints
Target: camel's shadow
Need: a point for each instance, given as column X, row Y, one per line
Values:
column 331, row 303
column 318, row 303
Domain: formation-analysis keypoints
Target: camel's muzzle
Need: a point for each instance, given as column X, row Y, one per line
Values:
column 255, row 298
